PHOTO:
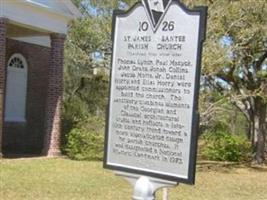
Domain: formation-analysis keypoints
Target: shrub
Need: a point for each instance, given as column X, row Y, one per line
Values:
column 220, row 146
column 74, row 112
column 86, row 140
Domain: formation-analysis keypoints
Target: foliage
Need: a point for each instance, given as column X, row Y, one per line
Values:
column 234, row 60
column 218, row 114
column 235, row 52
column 87, row 59
column 234, row 64
column 225, row 147
column 102, row 8
column 90, row 98
column 82, row 82
column 86, row 70
column 86, row 140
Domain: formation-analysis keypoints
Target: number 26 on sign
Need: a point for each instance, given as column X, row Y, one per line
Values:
column 166, row 26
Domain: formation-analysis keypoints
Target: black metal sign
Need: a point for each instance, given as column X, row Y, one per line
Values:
column 152, row 119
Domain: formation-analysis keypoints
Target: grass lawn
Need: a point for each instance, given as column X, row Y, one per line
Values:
column 63, row 179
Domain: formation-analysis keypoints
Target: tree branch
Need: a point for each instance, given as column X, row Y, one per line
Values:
column 260, row 61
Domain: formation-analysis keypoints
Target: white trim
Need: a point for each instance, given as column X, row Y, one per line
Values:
column 38, row 40
column 48, row 9
column 33, row 16
column 73, row 11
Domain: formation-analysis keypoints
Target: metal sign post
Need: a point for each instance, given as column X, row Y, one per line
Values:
column 152, row 123
column 165, row 194
column 144, row 187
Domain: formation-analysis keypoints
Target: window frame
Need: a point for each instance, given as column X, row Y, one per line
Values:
column 17, row 117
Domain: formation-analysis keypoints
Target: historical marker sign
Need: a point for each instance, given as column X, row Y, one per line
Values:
column 153, row 120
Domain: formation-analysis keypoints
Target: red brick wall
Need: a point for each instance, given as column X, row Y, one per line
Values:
column 29, row 137
column 54, row 96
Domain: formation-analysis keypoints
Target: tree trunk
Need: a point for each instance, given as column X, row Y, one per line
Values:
column 259, row 138
column 251, row 130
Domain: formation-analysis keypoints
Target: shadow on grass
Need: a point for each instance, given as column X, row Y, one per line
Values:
column 259, row 168
column 21, row 156
column 228, row 167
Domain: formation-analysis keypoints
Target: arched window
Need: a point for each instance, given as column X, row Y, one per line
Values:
column 16, row 89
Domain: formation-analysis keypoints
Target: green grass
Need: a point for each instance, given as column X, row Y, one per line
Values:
column 63, row 179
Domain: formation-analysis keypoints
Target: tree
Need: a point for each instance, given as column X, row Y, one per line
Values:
column 88, row 50
column 87, row 62
column 234, row 61
column 217, row 114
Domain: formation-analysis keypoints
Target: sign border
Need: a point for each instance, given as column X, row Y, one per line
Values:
column 202, row 12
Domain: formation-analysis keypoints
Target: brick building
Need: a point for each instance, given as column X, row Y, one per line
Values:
column 32, row 34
